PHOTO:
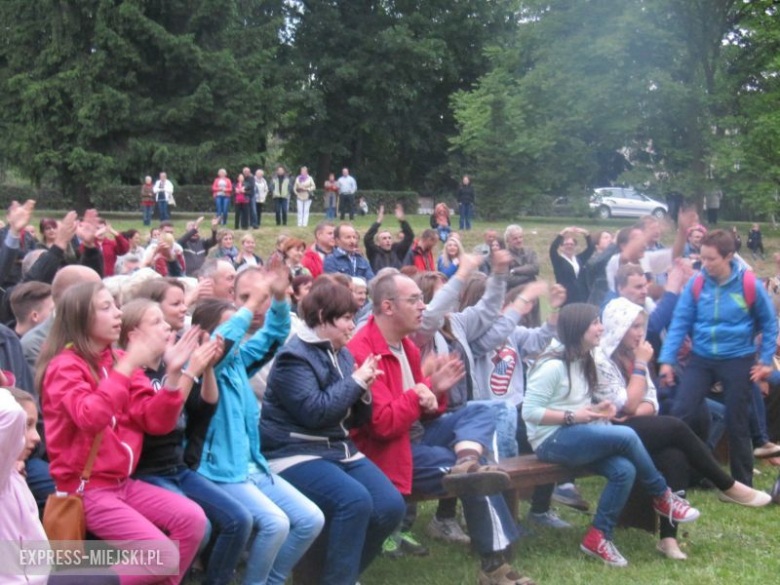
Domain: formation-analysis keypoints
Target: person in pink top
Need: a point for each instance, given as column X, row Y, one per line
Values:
column 221, row 188
column 89, row 390
column 242, row 203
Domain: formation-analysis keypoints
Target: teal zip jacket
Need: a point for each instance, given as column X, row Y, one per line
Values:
column 233, row 437
column 720, row 324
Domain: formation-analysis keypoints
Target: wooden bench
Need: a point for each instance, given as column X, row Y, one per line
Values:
column 526, row 472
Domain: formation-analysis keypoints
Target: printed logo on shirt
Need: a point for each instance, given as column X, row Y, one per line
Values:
column 504, row 363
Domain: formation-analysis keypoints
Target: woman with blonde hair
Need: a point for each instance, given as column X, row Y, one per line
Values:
column 450, row 257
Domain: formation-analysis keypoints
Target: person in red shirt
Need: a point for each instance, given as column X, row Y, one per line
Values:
column 324, row 242
column 112, row 248
column 447, row 455
column 422, row 252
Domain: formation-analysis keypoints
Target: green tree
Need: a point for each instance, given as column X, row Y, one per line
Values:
column 100, row 91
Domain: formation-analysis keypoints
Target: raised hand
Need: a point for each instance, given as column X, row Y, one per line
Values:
column 279, row 282
column 198, row 221
column 368, row 370
column 203, row 357
column 215, row 222
column 380, row 214
column 469, row 263
column 66, row 229
column 557, row 296
column 19, row 216
column 176, row 355
column 399, row 212
column 501, row 261
column 88, row 227
column 448, row 371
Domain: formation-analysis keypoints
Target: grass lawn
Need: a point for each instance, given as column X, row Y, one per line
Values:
column 728, row 544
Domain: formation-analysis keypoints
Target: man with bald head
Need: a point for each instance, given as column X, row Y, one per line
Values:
column 32, row 341
column 381, row 248
column 346, row 258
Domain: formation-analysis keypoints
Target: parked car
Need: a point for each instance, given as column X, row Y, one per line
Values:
column 624, row 202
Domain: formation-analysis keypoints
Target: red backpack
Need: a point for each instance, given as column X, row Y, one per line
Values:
column 748, row 287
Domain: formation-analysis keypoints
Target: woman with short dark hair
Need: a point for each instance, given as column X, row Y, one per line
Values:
column 314, row 397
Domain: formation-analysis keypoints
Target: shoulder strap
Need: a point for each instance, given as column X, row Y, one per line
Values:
column 698, row 284
column 91, row 459
column 749, row 287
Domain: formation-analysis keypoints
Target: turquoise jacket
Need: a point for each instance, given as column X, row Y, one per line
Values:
column 233, row 437
column 720, row 323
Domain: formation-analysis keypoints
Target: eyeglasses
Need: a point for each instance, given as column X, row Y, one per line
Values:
column 412, row 300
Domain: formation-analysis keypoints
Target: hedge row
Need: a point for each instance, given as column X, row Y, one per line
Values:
column 195, row 198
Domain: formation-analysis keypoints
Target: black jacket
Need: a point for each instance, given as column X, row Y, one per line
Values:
column 379, row 258
column 465, row 194
column 194, row 251
column 575, row 285
column 312, row 401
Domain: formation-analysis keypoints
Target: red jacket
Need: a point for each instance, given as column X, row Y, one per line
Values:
column 423, row 261
column 386, row 439
column 76, row 408
column 312, row 261
column 111, row 250
column 228, row 187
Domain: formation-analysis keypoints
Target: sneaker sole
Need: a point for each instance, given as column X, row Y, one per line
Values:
column 590, row 553
column 681, row 520
column 484, row 483
column 580, row 505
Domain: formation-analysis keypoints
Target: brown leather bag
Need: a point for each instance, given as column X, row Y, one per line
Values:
column 63, row 517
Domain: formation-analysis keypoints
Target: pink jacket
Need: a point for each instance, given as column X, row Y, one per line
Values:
column 228, row 187
column 76, row 408
column 19, row 521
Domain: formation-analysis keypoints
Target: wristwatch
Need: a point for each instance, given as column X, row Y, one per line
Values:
column 568, row 418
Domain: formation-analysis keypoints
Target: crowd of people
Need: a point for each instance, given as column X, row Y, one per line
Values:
column 266, row 407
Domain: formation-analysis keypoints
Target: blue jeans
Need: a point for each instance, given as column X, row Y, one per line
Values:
column 281, row 205
column 697, row 379
column 287, row 522
column 148, row 212
column 253, row 219
column 223, row 205
column 162, row 210
column 361, row 507
column 488, row 518
column 466, row 211
column 614, row 452
column 232, row 521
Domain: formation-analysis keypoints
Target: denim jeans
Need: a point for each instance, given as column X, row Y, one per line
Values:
column 488, row 518
column 280, row 208
column 253, row 219
column 361, row 507
column 162, row 209
column 698, row 378
column 287, row 522
column 148, row 212
column 223, row 204
column 466, row 210
column 231, row 521
column 614, row 452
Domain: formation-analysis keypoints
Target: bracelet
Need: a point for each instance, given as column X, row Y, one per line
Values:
column 639, row 372
column 640, row 363
column 568, row 418
column 195, row 379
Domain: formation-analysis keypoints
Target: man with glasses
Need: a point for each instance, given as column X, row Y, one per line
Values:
column 445, row 453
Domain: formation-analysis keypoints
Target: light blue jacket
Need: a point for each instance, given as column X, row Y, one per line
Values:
column 720, row 323
column 233, row 437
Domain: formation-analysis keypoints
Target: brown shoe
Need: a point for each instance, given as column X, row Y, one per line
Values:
column 504, row 575
column 469, row 478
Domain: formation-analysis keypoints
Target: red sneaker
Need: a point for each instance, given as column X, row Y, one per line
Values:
column 596, row 545
column 672, row 506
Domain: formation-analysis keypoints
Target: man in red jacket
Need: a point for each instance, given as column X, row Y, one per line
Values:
column 422, row 253
column 324, row 242
column 448, row 455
